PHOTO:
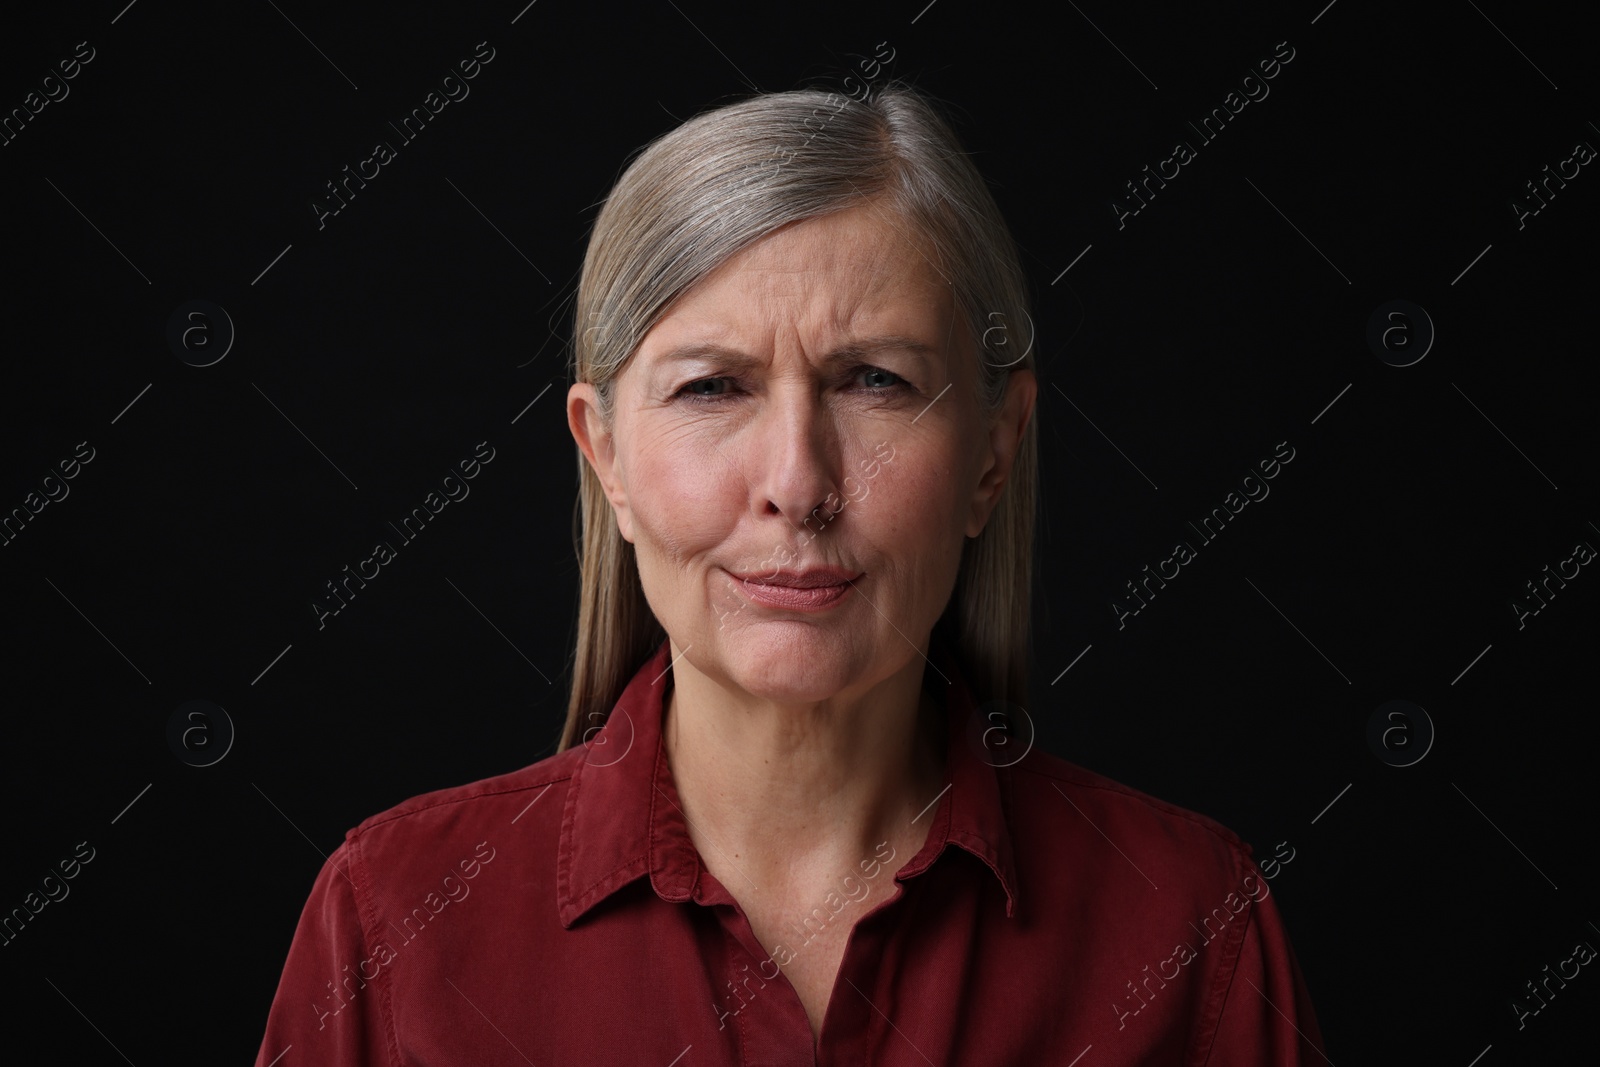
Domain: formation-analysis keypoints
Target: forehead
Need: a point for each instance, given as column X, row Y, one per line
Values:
column 823, row 276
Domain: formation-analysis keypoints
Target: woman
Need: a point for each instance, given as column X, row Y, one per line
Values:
column 793, row 832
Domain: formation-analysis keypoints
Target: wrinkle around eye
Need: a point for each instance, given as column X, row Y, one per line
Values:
column 900, row 386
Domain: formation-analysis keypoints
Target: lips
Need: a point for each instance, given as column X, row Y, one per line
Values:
column 811, row 578
column 805, row 590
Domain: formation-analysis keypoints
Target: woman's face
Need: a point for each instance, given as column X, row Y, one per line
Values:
column 809, row 405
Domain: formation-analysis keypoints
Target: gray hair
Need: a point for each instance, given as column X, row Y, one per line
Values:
column 718, row 183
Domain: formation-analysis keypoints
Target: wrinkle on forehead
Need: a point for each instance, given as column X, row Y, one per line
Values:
column 793, row 276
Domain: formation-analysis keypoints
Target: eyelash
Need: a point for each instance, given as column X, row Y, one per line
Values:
column 898, row 385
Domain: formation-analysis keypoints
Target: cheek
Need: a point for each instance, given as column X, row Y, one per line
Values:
column 683, row 495
column 915, row 497
column 913, row 519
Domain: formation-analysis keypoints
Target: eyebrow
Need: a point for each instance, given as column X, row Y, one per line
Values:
column 846, row 353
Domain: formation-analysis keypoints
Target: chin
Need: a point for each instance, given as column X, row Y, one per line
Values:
column 790, row 662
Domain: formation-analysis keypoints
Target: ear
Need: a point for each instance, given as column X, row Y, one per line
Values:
column 598, row 446
column 1005, row 439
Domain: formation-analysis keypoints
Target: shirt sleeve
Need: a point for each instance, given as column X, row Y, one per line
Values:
column 1266, row 1018
column 329, row 1008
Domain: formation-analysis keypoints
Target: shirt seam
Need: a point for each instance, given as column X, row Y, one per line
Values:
column 652, row 829
column 911, row 903
column 565, row 848
column 1005, row 783
column 980, row 849
column 1204, row 822
column 579, row 901
column 1222, row 986
column 366, row 913
column 381, row 820
column 593, row 895
column 740, row 1023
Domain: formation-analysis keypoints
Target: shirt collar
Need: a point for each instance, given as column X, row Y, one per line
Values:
column 623, row 817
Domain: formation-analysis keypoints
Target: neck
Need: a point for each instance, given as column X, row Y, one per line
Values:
column 769, row 788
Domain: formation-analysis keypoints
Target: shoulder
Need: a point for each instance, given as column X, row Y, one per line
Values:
column 1068, row 813
column 1160, row 908
column 527, row 802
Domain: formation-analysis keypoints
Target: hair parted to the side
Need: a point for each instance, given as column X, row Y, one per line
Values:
column 722, row 181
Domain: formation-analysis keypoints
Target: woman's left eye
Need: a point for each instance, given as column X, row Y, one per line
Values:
column 897, row 380
column 895, row 383
column 689, row 392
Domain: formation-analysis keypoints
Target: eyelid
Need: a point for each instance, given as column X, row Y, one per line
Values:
column 901, row 382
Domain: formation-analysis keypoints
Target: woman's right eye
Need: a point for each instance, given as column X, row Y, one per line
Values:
column 893, row 389
column 692, row 392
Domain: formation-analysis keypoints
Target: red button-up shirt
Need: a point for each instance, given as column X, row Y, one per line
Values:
column 560, row 915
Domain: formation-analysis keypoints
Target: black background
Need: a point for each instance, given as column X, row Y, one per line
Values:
column 1176, row 352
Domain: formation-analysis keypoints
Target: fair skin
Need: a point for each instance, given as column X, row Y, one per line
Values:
column 801, row 742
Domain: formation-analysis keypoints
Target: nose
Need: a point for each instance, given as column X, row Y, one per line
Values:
column 795, row 455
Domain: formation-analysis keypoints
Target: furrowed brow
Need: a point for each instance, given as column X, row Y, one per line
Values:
column 849, row 352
